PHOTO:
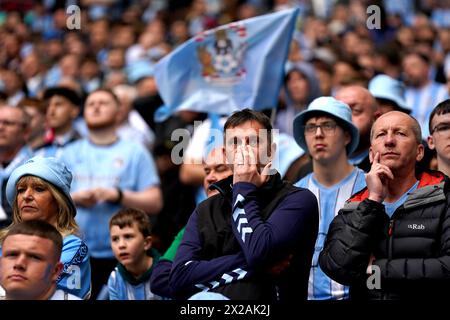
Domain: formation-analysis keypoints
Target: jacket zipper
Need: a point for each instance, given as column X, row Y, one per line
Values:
column 390, row 232
column 385, row 295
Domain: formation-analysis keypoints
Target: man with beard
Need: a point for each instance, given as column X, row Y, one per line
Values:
column 109, row 174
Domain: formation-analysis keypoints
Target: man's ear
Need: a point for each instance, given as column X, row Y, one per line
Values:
column 430, row 141
column 420, row 152
column 371, row 155
column 347, row 137
column 147, row 243
column 57, row 271
column 377, row 114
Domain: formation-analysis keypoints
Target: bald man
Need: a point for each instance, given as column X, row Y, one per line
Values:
column 392, row 239
column 364, row 113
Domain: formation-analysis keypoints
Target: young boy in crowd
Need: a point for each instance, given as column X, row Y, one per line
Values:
column 132, row 246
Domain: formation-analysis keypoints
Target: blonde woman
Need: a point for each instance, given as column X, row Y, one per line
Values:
column 40, row 190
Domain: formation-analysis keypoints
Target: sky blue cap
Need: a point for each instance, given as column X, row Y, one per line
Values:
column 331, row 107
column 384, row 87
column 140, row 69
column 49, row 169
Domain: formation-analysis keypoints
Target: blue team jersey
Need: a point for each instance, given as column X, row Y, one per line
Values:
column 123, row 286
column 123, row 164
column 56, row 148
column 330, row 200
column 423, row 100
column 76, row 275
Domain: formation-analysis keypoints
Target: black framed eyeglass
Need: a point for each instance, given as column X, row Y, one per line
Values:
column 327, row 128
column 441, row 128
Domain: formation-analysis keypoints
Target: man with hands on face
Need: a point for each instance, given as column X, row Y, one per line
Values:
column 255, row 238
column 398, row 228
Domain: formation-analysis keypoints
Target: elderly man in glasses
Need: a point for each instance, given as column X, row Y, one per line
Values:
column 326, row 130
column 439, row 138
column 14, row 131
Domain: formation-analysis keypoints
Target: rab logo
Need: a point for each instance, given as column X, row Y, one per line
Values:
column 416, row 226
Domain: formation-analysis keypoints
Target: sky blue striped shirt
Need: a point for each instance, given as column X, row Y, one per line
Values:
column 320, row 286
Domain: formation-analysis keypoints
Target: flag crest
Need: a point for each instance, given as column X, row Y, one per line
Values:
column 228, row 68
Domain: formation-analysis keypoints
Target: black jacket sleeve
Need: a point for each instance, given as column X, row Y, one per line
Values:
column 159, row 280
column 350, row 242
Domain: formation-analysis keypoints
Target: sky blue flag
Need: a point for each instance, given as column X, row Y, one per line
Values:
column 232, row 67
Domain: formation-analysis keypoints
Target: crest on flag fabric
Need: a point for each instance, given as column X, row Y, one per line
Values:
column 234, row 66
column 222, row 56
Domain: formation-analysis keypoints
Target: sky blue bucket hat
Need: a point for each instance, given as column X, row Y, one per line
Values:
column 384, row 87
column 331, row 107
column 49, row 169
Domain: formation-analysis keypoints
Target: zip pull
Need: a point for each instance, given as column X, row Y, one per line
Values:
column 391, row 227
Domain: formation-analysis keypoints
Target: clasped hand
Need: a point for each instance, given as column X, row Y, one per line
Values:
column 90, row 197
column 246, row 167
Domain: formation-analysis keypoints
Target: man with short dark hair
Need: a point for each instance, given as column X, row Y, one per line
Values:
column 439, row 138
column 30, row 262
column 255, row 239
column 397, row 227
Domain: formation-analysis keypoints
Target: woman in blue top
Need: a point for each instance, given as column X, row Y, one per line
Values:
column 40, row 189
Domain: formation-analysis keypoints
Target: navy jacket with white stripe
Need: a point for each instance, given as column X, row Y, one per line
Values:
column 249, row 243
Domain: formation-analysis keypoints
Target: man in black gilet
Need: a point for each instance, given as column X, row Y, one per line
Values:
column 255, row 239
